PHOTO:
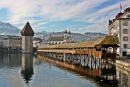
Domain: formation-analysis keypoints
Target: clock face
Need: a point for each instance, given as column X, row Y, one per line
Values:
column 125, row 23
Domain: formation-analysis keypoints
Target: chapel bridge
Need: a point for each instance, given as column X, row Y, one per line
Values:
column 98, row 55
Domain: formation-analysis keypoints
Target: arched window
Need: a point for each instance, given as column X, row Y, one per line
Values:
column 125, row 38
column 125, row 31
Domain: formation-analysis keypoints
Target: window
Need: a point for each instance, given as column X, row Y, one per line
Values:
column 125, row 31
column 124, row 53
column 125, row 38
column 125, row 23
column 125, row 45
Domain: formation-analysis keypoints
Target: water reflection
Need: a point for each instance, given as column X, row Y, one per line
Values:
column 109, row 75
column 10, row 59
column 22, row 70
column 124, row 78
column 27, row 67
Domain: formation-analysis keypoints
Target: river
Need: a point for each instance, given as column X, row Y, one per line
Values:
column 26, row 70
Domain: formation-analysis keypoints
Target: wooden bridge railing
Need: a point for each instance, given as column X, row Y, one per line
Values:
column 94, row 53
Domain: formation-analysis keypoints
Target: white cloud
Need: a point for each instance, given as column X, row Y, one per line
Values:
column 21, row 11
column 100, row 18
column 48, row 9
column 42, row 23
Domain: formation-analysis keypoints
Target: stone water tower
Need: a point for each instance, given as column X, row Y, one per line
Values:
column 27, row 39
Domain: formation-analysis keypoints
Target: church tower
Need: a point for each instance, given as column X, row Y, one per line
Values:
column 27, row 38
column 69, row 36
column 65, row 34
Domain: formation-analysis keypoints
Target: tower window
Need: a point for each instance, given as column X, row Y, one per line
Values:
column 65, row 36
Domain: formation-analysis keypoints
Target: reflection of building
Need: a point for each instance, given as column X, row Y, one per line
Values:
column 124, row 79
column 27, row 67
column 10, row 59
column 27, row 38
column 10, row 42
column 109, row 74
column 59, row 39
column 120, row 26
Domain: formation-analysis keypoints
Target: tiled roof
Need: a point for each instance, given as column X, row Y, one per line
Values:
column 27, row 30
column 60, row 38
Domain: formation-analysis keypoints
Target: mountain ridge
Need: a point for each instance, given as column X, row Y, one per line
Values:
column 8, row 29
column 77, row 37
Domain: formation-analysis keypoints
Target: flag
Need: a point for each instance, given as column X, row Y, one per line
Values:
column 120, row 6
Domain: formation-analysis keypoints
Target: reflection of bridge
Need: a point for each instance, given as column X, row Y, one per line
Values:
column 95, row 54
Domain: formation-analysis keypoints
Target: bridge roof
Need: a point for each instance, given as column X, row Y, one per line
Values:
column 74, row 45
column 108, row 40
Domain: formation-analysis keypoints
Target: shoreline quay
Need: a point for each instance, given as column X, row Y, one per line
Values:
column 123, row 63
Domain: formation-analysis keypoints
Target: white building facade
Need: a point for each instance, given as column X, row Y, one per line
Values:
column 66, row 38
column 120, row 27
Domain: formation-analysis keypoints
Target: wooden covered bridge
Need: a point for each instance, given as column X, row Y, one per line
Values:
column 94, row 54
column 104, row 48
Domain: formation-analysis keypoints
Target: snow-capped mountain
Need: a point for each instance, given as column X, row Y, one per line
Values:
column 8, row 29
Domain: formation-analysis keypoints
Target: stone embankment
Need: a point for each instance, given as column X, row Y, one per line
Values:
column 123, row 63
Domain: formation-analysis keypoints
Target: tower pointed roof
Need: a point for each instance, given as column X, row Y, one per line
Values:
column 27, row 30
column 69, row 32
column 65, row 31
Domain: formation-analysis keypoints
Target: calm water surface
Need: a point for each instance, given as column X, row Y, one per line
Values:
column 24, row 70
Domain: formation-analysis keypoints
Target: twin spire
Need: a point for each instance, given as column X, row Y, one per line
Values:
column 67, row 32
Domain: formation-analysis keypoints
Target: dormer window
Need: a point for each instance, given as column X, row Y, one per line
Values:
column 128, row 15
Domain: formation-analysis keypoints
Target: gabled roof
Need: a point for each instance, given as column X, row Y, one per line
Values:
column 60, row 38
column 27, row 30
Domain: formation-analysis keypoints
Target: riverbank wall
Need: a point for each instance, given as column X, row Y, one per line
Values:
column 123, row 63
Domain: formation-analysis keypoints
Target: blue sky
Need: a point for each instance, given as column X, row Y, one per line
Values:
column 78, row 16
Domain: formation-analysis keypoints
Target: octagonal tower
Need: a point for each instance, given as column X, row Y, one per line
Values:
column 27, row 38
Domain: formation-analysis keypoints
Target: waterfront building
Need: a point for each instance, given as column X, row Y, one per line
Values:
column 10, row 42
column 15, row 42
column 120, row 27
column 66, row 38
column 4, row 42
column 37, row 42
column 27, row 38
